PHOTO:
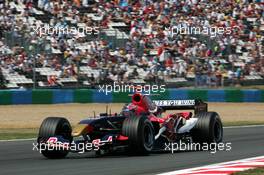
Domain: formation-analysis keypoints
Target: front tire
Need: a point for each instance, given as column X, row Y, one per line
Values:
column 140, row 133
column 55, row 126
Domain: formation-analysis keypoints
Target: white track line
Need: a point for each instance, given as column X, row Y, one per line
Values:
column 216, row 165
column 17, row 140
column 226, row 127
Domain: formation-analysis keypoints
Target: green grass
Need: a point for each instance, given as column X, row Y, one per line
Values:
column 241, row 123
column 21, row 133
column 257, row 171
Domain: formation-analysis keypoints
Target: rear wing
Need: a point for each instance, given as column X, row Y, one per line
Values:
column 196, row 105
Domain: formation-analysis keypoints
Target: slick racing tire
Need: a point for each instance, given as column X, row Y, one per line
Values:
column 54, row 126
column 140, row 133
column 208, row 129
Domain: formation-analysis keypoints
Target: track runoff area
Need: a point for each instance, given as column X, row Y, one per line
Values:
column 247, row 152
column 224, row 168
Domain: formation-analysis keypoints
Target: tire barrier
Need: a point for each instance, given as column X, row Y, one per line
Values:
column 55, row 96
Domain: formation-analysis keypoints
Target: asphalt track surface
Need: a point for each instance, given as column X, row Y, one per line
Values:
column 17, row 157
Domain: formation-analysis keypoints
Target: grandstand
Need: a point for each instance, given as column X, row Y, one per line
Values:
column 128, row 42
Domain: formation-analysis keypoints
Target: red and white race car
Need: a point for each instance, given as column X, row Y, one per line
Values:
column 141, row 127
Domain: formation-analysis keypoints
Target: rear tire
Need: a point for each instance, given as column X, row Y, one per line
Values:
column 53, row 126
column 208, row 129
column 140, row 133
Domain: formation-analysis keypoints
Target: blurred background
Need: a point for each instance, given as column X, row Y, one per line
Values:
column 131, row 45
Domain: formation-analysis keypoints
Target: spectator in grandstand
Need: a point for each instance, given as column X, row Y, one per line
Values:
column 150, row 45
column 53, row 81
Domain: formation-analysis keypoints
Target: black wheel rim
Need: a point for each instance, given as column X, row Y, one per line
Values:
column 65, row 131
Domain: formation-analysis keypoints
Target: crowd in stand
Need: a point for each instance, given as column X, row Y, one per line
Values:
column 152, row 45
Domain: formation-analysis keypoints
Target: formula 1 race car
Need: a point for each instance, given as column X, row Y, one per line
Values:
column 139, row 128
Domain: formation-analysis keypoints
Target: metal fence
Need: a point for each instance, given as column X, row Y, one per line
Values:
column 37, row 45
column 114, row 37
